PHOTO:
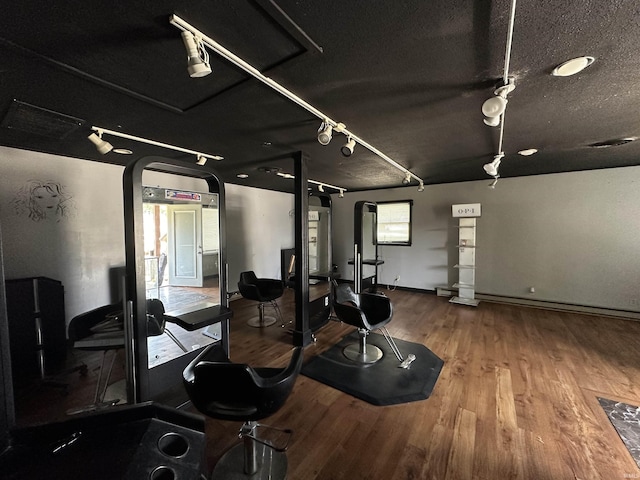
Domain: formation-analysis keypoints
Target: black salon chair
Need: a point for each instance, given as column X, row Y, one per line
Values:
column 224, row 390
column 366, row 312
column 100, row 329
column 157, row 320
column 262, row 290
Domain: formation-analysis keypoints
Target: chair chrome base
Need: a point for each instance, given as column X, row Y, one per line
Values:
column 272, row 465
column 258, row 322
column 371, row 353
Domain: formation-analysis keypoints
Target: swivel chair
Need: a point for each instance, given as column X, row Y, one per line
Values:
column 366, row 312
column 262, row 290
column 224, row 390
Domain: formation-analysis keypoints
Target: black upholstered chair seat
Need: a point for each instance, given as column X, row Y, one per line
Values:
column 224, row 390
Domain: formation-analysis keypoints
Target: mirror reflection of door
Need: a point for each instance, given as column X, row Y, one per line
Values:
column 185, row 245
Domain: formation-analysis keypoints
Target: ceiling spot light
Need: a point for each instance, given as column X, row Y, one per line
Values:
column 495, row 106
column 528, row 151
column 325, row 133
column 492, row 168
column 492, row 121
column 197, row 56
column 320, row 188
column 201, row 160
column 242, row 175
column 102, row 146
column 421, row 187
column 493, row 184
column 123, row 151
column 347, row 148
column 407, row 179
column 341, row 194
column 573, row 66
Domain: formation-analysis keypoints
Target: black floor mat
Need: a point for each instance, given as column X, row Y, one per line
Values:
column 381, row 383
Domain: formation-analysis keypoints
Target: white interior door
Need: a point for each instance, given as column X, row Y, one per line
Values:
column 185, row 245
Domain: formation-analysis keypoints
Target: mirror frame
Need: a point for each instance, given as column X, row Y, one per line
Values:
column 163, row 382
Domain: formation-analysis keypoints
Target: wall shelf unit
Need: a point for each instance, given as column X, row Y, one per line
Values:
column 466, row 265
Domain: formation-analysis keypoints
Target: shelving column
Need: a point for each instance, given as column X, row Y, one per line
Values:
column 466, row 265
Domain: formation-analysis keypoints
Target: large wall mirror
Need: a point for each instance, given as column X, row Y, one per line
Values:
column 176, row 273
column 365, row 241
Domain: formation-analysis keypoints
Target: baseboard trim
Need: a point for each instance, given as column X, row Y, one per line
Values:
column 544, row 304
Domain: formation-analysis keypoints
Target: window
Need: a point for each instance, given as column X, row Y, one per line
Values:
column 394, row 222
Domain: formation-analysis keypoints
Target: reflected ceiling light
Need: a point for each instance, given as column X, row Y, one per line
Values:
column 492, row 168
column 320, row 188
column 325, row 133
column 102, row 146
column 219, row 49
column 197, row 56
column 201, row 159
column 528, row 151
column 242, row 175
column 407, row 178
column 573, row 66
column 341, row 194
column 421, row 187
column 347, row 148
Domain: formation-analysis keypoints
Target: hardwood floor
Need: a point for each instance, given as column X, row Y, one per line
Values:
column 517, row 397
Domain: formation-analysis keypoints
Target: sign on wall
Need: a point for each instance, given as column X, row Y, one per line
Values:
column 466, row 210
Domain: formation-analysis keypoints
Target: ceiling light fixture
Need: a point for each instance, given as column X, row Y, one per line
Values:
column 492, row 168
column 197, row 56
column 237, row 61
column 123, row 151
column 102, row 146
column 493, row 184
column 100, row 131
column 421, row 187
column 528, row 151
column 496, row 106
column 347, row 148
column 320, row 188
column 573, row 66
column 341, row 194
column 407, row 178
column 201, row 159
column 242, row 175
column 325, row 132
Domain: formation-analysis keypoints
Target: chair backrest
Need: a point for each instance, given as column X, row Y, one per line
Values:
column 248, row 285
column 365, row 310
column 231, row 391
column 155, row 317
column 80, row 325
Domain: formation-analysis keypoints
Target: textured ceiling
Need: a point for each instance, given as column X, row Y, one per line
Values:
column 407, row 77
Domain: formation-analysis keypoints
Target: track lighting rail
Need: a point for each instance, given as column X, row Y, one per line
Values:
column 181, row 24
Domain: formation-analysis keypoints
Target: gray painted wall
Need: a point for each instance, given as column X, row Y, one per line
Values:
column 572, row 236
column 81, row 247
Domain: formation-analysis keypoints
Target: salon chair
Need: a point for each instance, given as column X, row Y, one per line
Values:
column 100, row 329
column 366, row 312
column 157, row 320
column 264, row 291
column 224, row 390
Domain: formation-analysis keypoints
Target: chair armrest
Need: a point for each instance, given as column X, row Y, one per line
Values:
column 377, row 308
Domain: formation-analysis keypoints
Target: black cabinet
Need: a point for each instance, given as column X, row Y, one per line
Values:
column 37, row 332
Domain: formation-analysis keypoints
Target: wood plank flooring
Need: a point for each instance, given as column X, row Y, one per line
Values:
column 516, row 399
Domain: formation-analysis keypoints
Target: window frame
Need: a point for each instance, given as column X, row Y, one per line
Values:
column 406, row 243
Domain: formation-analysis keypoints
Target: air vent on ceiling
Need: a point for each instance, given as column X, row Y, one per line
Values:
column 40, row 121
column 612, row 143
column 269, row 169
